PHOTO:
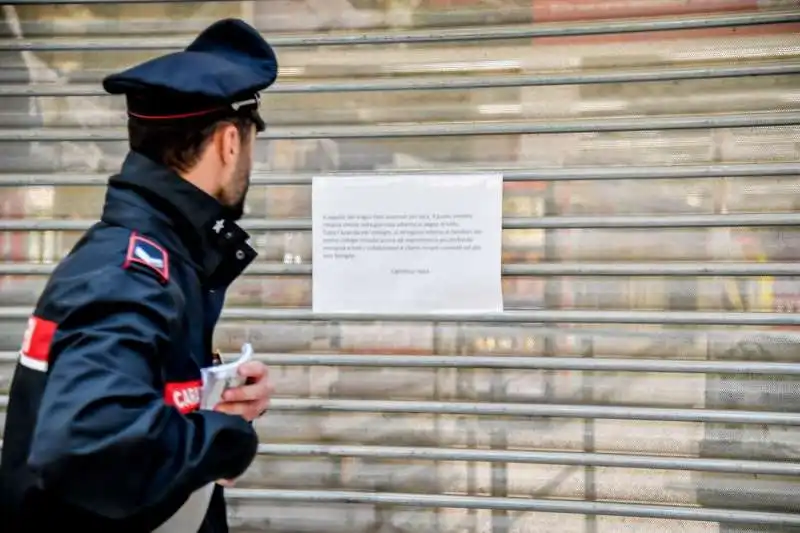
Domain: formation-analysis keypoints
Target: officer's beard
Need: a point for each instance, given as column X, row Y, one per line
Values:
column 241, row 184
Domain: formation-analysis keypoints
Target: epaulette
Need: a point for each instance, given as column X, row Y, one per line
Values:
column 147, row 255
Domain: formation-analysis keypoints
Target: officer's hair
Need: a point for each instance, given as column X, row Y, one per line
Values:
column 178, row 145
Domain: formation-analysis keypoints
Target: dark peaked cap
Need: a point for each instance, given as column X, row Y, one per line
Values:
column 220, row 74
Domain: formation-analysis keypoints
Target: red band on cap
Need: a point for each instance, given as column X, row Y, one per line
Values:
column 176, row 117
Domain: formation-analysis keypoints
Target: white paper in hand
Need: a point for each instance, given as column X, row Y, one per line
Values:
column 216, row 379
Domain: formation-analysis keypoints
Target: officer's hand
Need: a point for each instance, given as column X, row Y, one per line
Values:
column 251, row 399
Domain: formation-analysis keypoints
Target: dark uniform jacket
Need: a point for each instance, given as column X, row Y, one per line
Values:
column 103, row 428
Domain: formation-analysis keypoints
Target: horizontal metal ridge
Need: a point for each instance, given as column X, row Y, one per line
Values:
column 602, row 412
column 460, row 82
column 439, row 35
column 580, row 330
column 534, row 363
column 734, row 466
column 103, row 26
column 591, row 364
column 593, row 508
column 554, row 222
column 613, row 460
column 543, row 316
column 734, row 170
column 520, row 504
column 653, row 269
column 608, row 412
column 567, row 458
column 535, row 269
column 437, row 129
column 526, row 316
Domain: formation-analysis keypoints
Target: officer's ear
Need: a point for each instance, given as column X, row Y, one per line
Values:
column 229, row 143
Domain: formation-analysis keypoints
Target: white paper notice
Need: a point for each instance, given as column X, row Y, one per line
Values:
column 407, row 244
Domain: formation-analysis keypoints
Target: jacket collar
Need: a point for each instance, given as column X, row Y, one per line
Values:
column 216, row 245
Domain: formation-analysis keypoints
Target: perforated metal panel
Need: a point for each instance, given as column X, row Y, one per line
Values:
column 646, row 373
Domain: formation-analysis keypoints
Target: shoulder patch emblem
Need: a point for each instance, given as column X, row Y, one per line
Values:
column 149, row 254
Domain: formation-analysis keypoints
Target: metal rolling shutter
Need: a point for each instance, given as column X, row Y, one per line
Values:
column 644, row 377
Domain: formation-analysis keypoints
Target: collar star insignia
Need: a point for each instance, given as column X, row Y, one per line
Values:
column 219, row 225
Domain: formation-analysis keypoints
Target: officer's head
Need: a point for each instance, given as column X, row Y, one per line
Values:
column 197, row 111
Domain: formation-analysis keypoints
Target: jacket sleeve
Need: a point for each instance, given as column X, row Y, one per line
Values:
column 105, row 440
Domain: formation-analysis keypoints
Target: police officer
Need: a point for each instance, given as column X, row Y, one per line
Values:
column 104, row 430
